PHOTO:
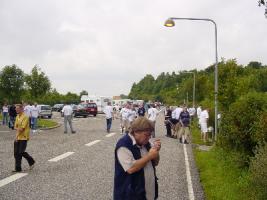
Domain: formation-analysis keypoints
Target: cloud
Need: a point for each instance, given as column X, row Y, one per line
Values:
column 105, row 46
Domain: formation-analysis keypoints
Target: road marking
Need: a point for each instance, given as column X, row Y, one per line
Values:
column 111, row 134
column 64, row 155
column 92, row 143
column 4, row 131
column 188, row 175
column 12, row 178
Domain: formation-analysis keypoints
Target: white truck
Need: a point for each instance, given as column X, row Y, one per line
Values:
column 101, row 101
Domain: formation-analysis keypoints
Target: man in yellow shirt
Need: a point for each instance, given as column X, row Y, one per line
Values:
column 22, row 136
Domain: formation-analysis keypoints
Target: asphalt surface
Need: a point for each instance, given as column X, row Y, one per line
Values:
column 88, row 173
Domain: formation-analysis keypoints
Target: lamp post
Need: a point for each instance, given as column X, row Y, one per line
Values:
column 194, row 86
column 170, row 23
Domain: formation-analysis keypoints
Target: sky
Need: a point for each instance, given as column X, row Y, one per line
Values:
column 104, row 46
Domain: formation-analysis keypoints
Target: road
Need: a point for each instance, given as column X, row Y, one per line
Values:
column 87, row 170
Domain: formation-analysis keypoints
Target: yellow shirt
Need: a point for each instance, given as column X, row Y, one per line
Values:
column 22, row 121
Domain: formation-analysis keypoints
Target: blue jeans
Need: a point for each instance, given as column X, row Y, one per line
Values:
column 34, row 123
column 5, row 118
column 109, row 122
column 12, row 121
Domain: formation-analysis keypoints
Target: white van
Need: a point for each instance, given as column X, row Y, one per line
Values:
column 45, row 111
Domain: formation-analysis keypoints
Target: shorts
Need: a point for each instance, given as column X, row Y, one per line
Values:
column 204, row 127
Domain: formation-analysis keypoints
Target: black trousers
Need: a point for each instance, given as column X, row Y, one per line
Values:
column 19, row 152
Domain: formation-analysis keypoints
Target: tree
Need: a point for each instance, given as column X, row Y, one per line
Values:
column 263, row 3
column 37, row 82
column 11, row 83
column 83, row 92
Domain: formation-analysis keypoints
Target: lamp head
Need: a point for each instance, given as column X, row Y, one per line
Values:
column 169, row 23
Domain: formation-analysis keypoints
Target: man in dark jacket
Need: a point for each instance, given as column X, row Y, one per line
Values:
column 185, row 121
column 12, row 116
column 135, row 162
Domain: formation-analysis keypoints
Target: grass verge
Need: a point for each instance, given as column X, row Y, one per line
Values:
column 220, row 174
column 46, row 123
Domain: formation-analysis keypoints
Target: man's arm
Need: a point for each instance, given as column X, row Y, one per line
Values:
column 130, row 165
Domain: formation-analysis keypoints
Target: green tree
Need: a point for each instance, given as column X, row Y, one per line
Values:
column 37, row 83
column 11, row 83
column 84, row 92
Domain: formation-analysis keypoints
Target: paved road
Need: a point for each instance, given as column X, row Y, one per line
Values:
column 88, row 172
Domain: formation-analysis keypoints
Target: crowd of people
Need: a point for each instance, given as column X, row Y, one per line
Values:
column 30, row 110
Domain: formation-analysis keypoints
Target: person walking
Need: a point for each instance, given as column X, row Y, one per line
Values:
column 152, row 116
column 175, row 120
column 67, row 112
column 108, row 110
column 199, row 110
column 5, row 114
column 27, row 111
column 22, row 137
column 125, row 112
column 135, row 163
column 168, row 122
column 34, row 117
column 141, row 111
column 12, row 116
column 184, row 131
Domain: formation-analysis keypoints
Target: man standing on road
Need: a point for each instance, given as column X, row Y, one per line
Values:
column 184, row 130
column 12, row 116
column 67, row 112
column 125, row 111
column 152, row 116
column 108, row 110
column 22, row 136
column 34, row 117
column 141, row 110
column 204, row 116
column 135, row 162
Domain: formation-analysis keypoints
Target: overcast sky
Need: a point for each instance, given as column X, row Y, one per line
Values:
column 104, row 46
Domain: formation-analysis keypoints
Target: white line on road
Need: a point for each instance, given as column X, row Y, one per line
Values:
column 92, row 143
column 64, row 155
column 188, row 175
column 111, row 134
column 12, row 178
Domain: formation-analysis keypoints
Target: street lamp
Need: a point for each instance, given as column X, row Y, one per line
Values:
column 170, row 23
column 194, row 86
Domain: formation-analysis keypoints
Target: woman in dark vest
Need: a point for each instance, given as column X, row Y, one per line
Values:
column 135, row 162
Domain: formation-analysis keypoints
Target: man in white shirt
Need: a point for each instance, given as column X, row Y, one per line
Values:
column 108, row 110
column 67, row 112
column 152, row 116
column 34, row 116
column 199, row 110
column 125, row 112
column 203, row 119
column 27, row 111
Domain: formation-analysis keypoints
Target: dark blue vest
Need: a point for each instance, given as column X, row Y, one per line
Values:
column 130, row 186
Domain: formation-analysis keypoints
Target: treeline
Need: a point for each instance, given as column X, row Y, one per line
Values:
column 242, row 100
column 17, row 86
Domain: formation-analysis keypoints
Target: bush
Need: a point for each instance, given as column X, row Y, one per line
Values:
column 244, row 126
column 258, row 170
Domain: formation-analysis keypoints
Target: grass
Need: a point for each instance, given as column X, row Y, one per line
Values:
column 46, row 123
column 220, row 174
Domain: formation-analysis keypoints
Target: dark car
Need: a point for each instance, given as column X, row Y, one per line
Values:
column 57, row 107
column 91, row 108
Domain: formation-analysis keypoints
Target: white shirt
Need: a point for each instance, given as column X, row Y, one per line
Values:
column 127, row 160
column 67, row 110
column 27, row 110
column 35, row 111
column 192, row 111
column 198, row 111
column 132, row 115
column 177, row 112
column 124, row 113
column 5, row 109
column 204, row 116
column 108, row 110
column 152, row 114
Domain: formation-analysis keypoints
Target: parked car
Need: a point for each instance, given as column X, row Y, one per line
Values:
column 57, row 107
column 45, row 111
column 91, row 108
column 79, row 110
